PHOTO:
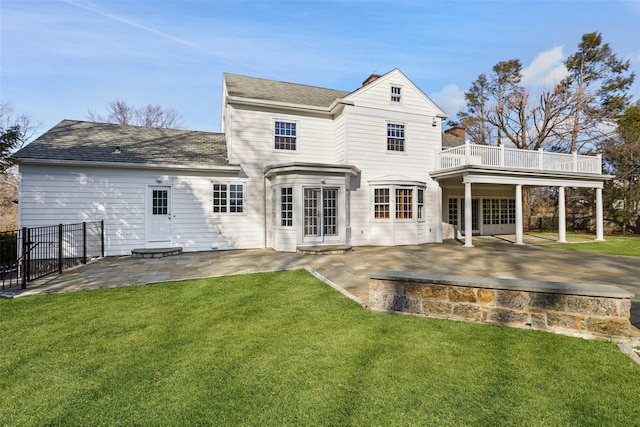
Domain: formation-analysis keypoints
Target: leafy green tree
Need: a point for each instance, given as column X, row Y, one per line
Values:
column 622, row 158
column 9, row 140
column 598, row 81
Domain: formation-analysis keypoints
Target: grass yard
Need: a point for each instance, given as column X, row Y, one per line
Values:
column 613, row 245
column 285, row 349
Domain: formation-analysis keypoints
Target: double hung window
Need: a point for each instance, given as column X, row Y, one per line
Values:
column 285, row 135
column 404, row 203
column 228, row 198
column 381, row 203
column 395, row 137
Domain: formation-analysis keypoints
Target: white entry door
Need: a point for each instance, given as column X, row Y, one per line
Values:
column 159, row 217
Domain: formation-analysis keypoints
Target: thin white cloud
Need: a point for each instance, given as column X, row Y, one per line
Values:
column 94, row 8
column 547, row 68
column 450, row 99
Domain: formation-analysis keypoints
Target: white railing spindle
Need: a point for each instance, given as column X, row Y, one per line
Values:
column 502, row 157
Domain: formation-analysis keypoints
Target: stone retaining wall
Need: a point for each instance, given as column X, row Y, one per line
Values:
column 569, row 309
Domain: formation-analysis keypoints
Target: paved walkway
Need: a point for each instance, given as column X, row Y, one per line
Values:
column 491, row 257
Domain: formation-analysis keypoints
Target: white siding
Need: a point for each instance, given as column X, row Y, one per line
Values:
column 53, row 195
column 367, row 149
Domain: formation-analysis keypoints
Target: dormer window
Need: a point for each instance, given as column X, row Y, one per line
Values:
column 285, row 136
column 395, row 94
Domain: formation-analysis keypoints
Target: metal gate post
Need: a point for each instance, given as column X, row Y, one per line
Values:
column 25, row 256
column 84, row 242
column 60, row 248
column 102, row 236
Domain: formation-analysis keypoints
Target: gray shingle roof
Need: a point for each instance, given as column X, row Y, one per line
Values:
column 72, row 140
column 271, row 90
column 450, row 141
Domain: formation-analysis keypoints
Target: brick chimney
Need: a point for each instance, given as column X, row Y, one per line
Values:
column 458, row 131
column 371, row 78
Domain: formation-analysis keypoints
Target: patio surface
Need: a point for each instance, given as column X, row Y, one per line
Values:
column 491, row 257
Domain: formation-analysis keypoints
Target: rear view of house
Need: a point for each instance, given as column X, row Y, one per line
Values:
column 294, row 167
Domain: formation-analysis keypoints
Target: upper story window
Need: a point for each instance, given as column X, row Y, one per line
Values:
column 396, row 94
column 285, row 135
column 228, row 198
column 395, row 137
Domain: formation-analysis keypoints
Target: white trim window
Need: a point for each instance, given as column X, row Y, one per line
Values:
column 453, row 211
column 396, row 94
column 398, row 203
column 395, row 137
column 404, row 203
column 285, row 135
column 286, row 207
column 498, row 211
column 228, row 198
column 381, row 203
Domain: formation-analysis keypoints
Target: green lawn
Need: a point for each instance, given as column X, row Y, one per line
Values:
column 285, row 349
column 613, row 245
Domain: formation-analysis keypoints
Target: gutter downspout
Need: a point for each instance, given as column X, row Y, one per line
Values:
column 264, row 216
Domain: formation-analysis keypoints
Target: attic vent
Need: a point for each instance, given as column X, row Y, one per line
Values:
column 371, row 78
column 117, row 151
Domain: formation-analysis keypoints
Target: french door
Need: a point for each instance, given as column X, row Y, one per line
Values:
column 320, row 214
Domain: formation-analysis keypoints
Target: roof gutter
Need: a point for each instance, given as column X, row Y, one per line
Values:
column 190, row 168
column 289, row 106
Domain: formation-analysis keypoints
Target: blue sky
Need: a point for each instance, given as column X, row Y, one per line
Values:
column 61, row 58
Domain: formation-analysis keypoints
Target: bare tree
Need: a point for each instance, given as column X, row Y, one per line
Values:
column 122, row 113
column 500, row 109
column 26, row 126
column 571, row 116
column 16, row 130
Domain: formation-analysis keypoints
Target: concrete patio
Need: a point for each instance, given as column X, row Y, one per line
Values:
column 491, row 257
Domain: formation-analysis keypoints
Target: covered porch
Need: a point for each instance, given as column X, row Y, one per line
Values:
column 475, row 167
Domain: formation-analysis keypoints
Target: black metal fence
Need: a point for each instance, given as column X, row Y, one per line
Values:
column 31, row 253
column 551, row 224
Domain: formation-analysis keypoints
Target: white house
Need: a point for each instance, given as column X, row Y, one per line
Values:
column 295, row 167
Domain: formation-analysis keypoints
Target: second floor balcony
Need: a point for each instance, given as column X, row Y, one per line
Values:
column 500, row 157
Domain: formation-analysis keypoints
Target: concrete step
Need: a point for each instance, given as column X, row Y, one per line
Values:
column 155, row 253
column 323, row 250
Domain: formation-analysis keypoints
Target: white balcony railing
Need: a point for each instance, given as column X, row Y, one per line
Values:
column 513, row 158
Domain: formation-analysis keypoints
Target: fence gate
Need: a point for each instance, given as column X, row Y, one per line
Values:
column 31, row 253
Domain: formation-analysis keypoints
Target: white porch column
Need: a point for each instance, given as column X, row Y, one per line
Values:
column 468, row 225
column 438, row 215
column 562, row 217
column 599, row 216
column 519, row 221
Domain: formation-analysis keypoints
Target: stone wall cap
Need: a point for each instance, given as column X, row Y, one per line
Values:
column 582, row 289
